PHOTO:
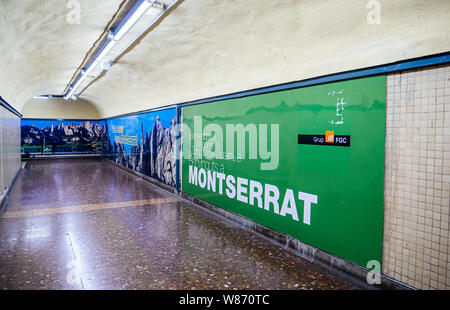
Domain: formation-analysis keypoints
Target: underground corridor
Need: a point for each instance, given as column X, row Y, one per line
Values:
column 223, row 147
column 99, row 227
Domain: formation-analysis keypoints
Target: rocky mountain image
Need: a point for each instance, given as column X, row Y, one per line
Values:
column 86, row 134
column 153, row 156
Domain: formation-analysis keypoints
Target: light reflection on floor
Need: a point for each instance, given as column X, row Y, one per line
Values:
column 59, row 232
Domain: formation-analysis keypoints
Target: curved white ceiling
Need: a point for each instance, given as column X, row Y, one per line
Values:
column 206, row 48
column 40, row 50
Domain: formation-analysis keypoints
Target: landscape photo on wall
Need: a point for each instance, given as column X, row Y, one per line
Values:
column 39, row 136
column 145, row 143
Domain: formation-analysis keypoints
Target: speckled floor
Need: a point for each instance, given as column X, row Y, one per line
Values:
column 85, row 224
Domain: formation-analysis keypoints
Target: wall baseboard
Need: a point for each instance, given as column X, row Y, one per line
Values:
column 326, row 261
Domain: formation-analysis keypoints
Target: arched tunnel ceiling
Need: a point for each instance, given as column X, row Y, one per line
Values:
column 40, row 50
column 206, row 48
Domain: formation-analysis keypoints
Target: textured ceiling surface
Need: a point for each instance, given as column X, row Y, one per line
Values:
column 40, row 50
column 58, row 108
column 205, row 48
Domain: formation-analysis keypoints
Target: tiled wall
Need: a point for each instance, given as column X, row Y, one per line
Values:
column 417, row 178
column 9, row 148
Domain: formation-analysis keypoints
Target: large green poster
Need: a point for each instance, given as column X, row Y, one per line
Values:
column 308, row 162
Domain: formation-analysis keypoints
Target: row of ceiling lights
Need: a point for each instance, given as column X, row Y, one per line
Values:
column 100, row 62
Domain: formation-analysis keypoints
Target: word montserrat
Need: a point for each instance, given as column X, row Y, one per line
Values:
column 249, row 191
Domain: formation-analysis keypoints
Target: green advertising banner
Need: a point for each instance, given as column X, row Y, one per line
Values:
column 307, row 162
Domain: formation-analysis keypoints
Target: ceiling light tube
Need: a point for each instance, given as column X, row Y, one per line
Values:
column 140, row 8
column 89, row 68
column 106, row 65
column 41, row 97
column 50, row 96
column 66, row 96
column 159, row 6
column 74, row 87
column 104, row 50
column 131, row 18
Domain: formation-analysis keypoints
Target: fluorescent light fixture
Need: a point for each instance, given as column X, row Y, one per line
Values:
column 41, row 97
column 131, row 18
column 106, row 65
column 45, row 97
column 74, row 87
column 139, row 9
column 66, row 96
column 89, row 68
column 105, row 50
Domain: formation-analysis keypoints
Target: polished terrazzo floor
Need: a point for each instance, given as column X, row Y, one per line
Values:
column 85, row 224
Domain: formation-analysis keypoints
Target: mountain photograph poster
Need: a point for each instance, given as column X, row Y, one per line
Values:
column 144, row 143
column 51, row 136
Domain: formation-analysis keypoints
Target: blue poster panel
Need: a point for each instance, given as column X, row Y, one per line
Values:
column 145, row 143
column 53, row 136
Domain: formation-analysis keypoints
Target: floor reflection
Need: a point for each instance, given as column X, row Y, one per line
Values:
column 164, row 243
